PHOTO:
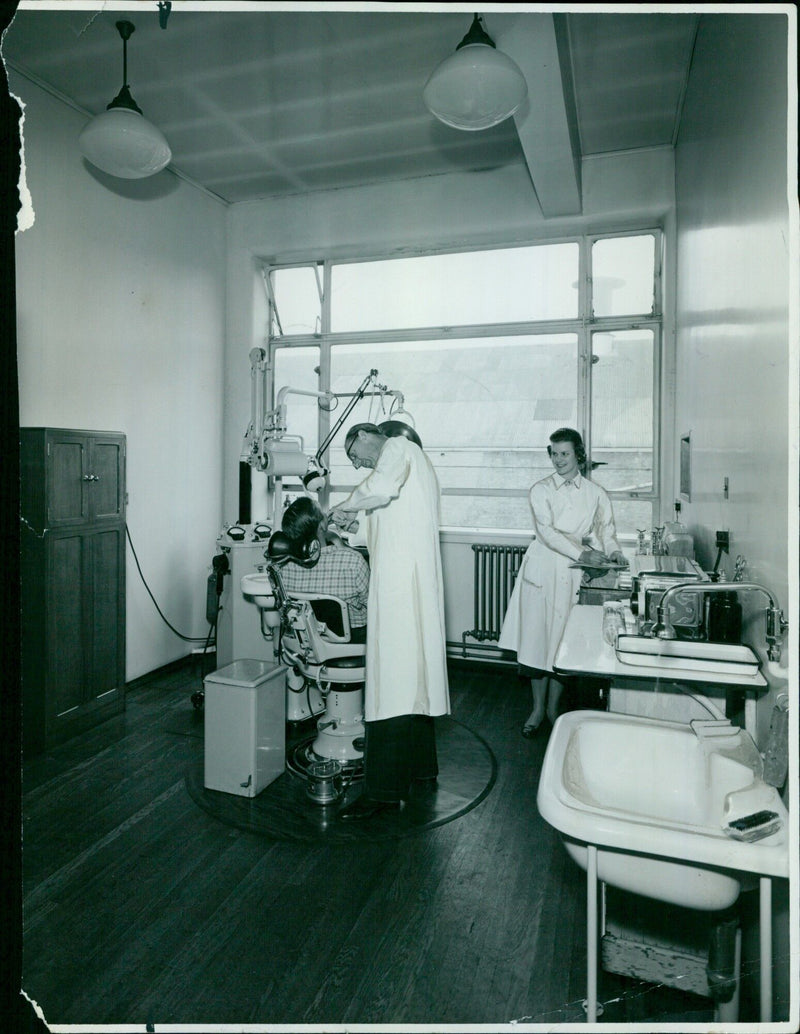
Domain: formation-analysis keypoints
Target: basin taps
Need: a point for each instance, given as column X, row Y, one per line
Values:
column 776, row 623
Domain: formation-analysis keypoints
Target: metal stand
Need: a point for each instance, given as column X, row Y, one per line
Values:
column 765, row 945
column 590, row 1005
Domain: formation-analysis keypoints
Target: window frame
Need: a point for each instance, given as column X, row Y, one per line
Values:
column 584, row 325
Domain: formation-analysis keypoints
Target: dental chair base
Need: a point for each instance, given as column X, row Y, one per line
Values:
column 340, row 729
column 303, row 698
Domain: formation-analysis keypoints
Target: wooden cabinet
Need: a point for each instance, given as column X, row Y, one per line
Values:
column 72, row 496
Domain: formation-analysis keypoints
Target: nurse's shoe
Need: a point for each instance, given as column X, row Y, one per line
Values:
column 364, row 807
column 532, row 726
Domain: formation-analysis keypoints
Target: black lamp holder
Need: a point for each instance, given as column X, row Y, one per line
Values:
column 357, row 396
column 476, row 34
column 123, row 98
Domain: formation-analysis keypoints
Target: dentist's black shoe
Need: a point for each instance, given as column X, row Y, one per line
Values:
column 364, row 807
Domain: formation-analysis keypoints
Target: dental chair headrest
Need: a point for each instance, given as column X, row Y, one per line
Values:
column 281, row 548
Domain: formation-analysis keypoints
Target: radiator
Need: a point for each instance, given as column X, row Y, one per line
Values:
column 496, row 569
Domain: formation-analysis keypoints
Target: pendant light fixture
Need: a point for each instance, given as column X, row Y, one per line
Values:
column 120, row 140
column 476, row 87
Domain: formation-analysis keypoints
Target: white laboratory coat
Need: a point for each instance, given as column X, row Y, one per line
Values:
column 546, row 588
column 406, row 669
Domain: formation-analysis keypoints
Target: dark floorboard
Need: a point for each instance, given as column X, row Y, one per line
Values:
column 140, row 907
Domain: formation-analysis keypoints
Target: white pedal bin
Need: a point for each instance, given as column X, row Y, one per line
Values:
column 245, row 726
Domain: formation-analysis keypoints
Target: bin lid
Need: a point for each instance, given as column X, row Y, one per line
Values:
column 247, row 672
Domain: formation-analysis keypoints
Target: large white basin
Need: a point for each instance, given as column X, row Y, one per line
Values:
column 654, row 797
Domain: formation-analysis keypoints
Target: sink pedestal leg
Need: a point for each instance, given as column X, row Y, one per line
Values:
column 590, row 1005
column 728, row 1012
column 765, row 944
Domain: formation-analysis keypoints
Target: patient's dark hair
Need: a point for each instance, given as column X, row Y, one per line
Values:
column 569, row 434
column 301, row 520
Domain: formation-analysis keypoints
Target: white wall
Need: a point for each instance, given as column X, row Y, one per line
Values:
column 120, row 302
column 733, row 369
column 732, row 320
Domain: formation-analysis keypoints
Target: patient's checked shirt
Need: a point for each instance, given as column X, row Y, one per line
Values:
column 340, row 571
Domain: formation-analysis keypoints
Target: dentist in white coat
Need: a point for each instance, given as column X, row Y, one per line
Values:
column 406, row 669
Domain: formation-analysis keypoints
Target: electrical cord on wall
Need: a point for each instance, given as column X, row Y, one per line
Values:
column 186, row 638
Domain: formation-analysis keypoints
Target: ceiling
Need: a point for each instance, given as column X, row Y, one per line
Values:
column 261, row 103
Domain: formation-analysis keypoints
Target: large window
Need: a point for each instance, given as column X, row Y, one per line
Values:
column 492, row 351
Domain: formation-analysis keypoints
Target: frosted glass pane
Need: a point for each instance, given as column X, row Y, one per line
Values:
column 484, row 410
column 294, row 368
column 502, row 286
column 297, row 301
column 622, row 409
column 623, row 276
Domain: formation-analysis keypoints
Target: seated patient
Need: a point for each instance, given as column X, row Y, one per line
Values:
column 340, row 570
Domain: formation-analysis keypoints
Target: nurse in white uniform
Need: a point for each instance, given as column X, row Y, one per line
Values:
column 571, row 516
column 406, row 665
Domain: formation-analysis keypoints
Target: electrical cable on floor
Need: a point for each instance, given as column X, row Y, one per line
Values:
column 180, row 635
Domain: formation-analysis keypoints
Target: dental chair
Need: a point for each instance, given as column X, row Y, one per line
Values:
column 314, row 641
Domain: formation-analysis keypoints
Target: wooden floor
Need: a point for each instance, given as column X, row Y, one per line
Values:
column 141, row 908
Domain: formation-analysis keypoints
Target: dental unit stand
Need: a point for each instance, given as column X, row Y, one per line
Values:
column 268, row 448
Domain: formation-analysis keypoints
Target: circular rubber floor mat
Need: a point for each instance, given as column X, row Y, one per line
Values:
column 283, row 811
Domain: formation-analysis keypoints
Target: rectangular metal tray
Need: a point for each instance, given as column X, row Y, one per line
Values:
column 685, row 653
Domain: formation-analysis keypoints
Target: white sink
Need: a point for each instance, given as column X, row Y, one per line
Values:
column 686, row 654
column 258, row 587
column 654, row 797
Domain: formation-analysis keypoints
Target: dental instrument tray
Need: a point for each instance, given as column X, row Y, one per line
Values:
column 697, row 656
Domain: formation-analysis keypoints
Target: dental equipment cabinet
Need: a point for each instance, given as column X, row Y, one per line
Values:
column 268, row 448
column 656, row 676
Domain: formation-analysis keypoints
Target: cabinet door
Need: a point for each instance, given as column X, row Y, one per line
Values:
column 65, row 626
column 67, row 477
column 106, row 589
column 107, row 471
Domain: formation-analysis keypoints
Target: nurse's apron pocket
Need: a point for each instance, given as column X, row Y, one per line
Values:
column 529, row 574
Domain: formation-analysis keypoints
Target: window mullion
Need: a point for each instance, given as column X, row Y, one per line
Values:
column 658, row 294
column 363, row 337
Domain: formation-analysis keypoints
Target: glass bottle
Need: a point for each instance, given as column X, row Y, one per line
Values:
column 724, row 618
column 677, row 540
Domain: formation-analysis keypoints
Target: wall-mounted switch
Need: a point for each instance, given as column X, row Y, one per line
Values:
column 723, row 540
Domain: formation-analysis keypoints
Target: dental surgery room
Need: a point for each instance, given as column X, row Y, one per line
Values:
column 400, row 517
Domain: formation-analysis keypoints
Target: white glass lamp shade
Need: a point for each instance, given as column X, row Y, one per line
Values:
column 475, row 88
column 123, row 143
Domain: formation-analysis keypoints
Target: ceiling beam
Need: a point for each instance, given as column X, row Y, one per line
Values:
column 545, row 122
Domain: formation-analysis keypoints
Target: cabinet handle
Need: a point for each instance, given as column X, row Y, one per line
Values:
column 91, row 477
